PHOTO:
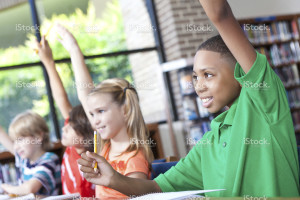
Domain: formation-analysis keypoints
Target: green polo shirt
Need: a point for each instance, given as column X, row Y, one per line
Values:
column 251, row 150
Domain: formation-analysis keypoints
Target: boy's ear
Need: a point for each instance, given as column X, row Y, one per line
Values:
column 41, row 136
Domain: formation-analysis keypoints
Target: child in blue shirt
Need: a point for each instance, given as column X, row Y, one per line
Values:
column 28, row 141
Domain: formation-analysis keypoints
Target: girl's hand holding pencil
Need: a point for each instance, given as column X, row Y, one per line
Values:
column 104, row 173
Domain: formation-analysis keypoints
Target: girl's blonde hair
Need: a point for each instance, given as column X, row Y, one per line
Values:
column 31, row 124
column 123, row 93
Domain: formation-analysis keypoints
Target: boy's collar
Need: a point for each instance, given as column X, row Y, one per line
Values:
column 225, row 118
column 231, row 113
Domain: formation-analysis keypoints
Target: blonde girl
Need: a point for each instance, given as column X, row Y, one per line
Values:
column 117, row 117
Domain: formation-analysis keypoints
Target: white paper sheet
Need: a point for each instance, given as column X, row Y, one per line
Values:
column 173, row 195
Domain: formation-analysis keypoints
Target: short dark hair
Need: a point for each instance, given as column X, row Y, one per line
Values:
column 216, row 44
column 80, row 123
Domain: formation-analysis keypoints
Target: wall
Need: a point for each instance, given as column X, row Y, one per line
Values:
column 145, row 66
column 259, row 8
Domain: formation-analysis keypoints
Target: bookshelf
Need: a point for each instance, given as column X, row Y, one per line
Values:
column 196, row 117
column 278, row 38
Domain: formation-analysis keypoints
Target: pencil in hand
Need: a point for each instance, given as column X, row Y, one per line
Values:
column 95, row 148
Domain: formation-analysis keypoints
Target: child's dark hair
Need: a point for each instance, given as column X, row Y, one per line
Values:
column 80, row 123
column 216, row 44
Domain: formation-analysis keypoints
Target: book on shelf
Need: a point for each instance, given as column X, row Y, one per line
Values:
column 186, row 82
column 296, row 120
column 284, row 53
column 9, row 173
column 203, row 112
column 197, row 131
column 289, row 75
column 293, row 97
column 266, row 33
column 190, row 108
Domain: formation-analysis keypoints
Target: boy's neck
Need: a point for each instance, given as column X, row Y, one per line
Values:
column 36, row 156
column 80, row 150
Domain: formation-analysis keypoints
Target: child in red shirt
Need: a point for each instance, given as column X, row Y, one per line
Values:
column 77, row 134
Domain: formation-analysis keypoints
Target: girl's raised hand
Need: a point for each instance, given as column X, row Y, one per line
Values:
column 103, row 175
column 66, row 38
column 44, row 51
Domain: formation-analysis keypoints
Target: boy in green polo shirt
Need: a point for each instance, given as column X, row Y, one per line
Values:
column 251, row 149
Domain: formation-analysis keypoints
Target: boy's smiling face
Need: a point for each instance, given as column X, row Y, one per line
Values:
column 214, row 82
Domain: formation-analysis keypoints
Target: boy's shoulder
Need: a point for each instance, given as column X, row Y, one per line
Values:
column 49, row 157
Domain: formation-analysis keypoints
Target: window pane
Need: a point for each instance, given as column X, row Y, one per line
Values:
column 23, row 89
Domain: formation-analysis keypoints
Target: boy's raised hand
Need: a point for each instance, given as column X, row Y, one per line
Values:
column 44, row 51
column 219, row 12
column 66, row 38
column 104, row 173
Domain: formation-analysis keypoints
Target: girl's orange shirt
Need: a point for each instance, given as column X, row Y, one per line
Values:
column 124, row 164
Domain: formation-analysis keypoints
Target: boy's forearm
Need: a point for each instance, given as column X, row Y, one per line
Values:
column 17, row 190
column 125, row 185
column 219, row 12
column 216, row 10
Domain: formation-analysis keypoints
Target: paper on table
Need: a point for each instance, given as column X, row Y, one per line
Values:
column 173, row 195
column 63, row 197
column 25, row 197
column 4, row 196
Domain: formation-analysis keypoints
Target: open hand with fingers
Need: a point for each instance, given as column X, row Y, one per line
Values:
column 103, row 175
column 44, row 51
column 66, row 38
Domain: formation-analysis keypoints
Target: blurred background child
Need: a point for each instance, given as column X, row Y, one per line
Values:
column 77, row 133
column 29, row 141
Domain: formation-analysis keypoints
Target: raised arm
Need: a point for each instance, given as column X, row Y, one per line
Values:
column 6, row 141
column 83, row 79
column 219, row 12
column 107, row 176
column 59, row 93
